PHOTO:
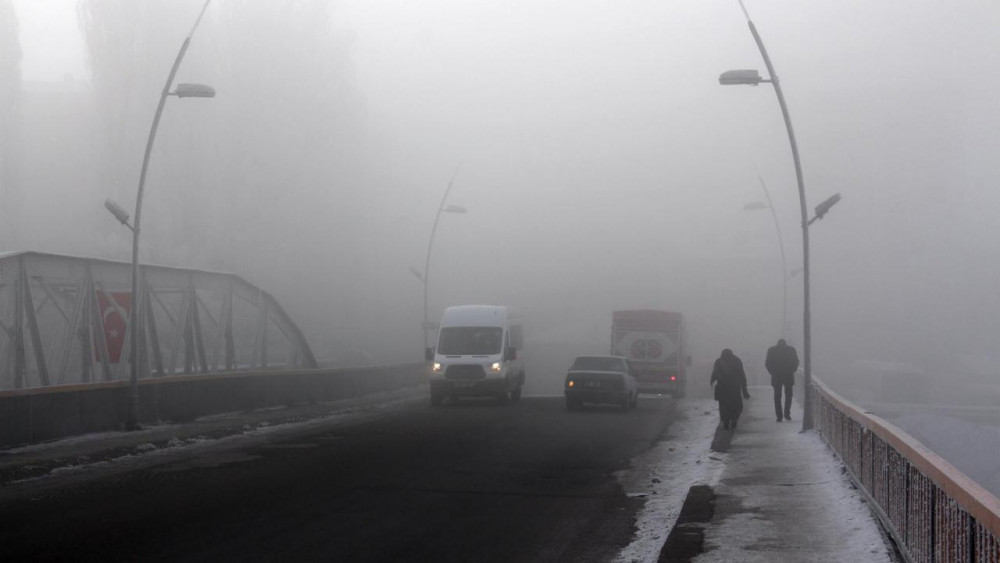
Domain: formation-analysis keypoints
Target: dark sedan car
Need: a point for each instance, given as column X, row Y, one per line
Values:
column 601, row 379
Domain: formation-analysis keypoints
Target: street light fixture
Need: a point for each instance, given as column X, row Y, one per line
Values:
column 424, row 276
column 118, row 212
column 182, row 91
column 745, row 77
column 752, row 77
column 193, row 91
column 824, row 208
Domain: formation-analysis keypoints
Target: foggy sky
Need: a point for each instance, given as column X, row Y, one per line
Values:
column 604, row 167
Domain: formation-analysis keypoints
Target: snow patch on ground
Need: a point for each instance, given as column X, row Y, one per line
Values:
column 148, row 454
column 812, row 512
column 664, row 474
column 795, row 501
column 81, row 439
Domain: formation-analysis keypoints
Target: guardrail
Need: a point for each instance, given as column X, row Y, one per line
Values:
column 932, row 510
column 47, row 413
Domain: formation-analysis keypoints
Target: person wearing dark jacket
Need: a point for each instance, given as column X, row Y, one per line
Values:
column 781, row 363
column 730, row 387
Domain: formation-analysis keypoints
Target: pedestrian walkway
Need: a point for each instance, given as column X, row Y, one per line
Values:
column 782, row 496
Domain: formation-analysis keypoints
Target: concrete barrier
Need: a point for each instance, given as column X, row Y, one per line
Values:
column 47, row 413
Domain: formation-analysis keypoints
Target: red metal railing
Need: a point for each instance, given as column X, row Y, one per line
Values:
column 933, row 511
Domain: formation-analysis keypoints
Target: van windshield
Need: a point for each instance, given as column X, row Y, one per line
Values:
column 470, row 340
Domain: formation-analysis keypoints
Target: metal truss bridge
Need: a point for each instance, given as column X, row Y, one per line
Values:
column 64, row 320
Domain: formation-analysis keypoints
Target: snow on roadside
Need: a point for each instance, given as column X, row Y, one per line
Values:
column 811, row 495
column 664, row 474
column 860, row 533
column 147, row 454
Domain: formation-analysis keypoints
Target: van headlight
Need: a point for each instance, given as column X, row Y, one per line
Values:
column 495, row 366
column 437, row 366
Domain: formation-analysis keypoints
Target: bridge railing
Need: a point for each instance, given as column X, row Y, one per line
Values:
column 933, row 511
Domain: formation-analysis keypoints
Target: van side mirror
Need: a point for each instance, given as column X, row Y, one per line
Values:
column 429, row 354
column 687, row 360
column 511, row 353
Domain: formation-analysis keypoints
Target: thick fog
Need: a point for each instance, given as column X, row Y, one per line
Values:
column 601, row 163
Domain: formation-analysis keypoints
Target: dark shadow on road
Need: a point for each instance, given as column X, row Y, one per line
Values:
column 722, row 439
column 687, row 538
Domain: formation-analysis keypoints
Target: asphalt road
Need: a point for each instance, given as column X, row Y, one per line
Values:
column 475, row 481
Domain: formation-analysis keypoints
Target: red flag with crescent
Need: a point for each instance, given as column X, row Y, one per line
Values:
column 114, row 319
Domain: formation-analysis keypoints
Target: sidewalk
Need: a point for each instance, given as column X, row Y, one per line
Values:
column 782, row 496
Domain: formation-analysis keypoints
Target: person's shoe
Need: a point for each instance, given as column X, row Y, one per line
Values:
column 788, row 416
column 779, row 419
column 732, row 425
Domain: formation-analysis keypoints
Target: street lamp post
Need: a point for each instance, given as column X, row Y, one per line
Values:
column 753, row 78
column 425, row 275
column 781, row 246
column 182, row 91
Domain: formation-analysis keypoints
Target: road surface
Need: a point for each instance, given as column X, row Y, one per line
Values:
column 476, row 481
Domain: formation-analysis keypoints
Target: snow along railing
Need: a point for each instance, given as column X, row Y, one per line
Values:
column 933, row 511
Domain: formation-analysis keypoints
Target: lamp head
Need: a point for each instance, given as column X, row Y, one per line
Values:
column 193, row 91
column 823, row 208
column 749, row 77
column 117, row 211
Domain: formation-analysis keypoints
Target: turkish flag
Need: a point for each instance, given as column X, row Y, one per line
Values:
column 114, row 319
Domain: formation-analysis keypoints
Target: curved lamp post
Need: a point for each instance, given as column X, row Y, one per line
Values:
column 182, row 91
column 425, row 275
column 757, row 205
column 752, row 77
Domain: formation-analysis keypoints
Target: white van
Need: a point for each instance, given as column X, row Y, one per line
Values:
column 476, row 355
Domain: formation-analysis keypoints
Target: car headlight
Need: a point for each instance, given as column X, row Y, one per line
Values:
column 495, row 366
column 437, row 366
column 569, row 383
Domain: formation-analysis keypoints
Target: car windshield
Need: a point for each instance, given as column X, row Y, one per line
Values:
column 598, row 363
column 470, row 340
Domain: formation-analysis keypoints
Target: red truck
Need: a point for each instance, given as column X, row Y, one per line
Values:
column 654, row 343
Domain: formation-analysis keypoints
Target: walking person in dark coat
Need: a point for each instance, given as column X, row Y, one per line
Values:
column 730, row 387
column 781, row 363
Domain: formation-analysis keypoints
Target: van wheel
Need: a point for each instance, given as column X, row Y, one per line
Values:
column 436, row 399
column 503, row 396
column 635, row 401
column 515, row 395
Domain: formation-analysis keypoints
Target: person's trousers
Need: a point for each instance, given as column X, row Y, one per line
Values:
column 777, row 400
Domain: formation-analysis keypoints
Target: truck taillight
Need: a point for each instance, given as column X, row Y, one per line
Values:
column 673, row 378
